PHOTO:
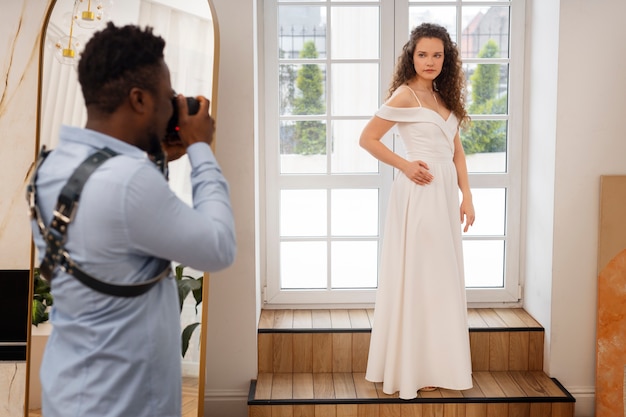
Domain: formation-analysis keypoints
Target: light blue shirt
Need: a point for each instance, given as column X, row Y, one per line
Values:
column 121, row 357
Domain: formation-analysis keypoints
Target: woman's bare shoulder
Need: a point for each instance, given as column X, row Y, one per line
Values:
column 403, row 97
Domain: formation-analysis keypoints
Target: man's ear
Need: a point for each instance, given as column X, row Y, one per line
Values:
column 139, row 100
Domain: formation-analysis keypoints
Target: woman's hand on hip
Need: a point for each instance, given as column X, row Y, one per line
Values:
column 418, row 172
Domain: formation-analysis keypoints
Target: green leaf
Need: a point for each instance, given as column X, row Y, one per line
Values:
column 197, row 293
column 185, row 286
column 42, row 299
column 38, row 312
column 179, row 272
column 42, row 286
column 186, row 336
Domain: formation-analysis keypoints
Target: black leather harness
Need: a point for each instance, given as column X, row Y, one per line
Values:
column 55, row 235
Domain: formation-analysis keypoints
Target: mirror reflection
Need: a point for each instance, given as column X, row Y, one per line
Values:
column 188, row 30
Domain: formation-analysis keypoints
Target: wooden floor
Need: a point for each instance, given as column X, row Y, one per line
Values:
column 189, row 399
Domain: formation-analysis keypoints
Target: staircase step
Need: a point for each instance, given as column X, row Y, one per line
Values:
column 311, row 363
column 338, row 340
column 339, row 394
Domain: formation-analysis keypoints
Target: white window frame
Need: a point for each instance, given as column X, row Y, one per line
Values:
column 394, row 34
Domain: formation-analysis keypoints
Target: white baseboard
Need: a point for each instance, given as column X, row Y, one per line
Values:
column 190, row 368
column 225, row 403
column 585, row 401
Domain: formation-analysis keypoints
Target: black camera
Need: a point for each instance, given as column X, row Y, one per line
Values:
column 193, row 105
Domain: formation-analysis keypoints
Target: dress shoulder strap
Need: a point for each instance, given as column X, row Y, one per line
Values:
column 414, row 95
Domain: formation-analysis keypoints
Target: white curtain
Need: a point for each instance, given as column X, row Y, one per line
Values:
column 189, row 55
column 61, row 97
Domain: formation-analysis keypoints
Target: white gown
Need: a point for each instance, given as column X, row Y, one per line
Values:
column 420, row 333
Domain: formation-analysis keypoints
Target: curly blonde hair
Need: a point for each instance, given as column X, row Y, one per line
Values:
column 450, row 83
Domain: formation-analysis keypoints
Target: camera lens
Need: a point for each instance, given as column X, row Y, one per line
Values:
column 193, row 105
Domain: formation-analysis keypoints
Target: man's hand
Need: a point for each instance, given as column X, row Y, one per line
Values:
column 173, row 148
column 195, row 128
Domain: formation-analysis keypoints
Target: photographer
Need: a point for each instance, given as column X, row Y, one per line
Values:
column 112, row 355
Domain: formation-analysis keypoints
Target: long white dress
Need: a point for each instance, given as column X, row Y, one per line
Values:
column 420, row 333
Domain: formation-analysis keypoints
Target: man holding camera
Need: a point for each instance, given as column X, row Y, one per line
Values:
column 115, row 349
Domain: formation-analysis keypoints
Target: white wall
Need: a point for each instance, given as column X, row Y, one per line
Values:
column 590, row 116
column 568, row 153
column 231, row 359
column 541, row 75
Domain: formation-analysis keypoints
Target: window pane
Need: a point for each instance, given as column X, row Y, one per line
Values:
column 484, row 143
column 482, row 26
column 489, row 204
column 354, row 212
column 363, row 97
column 298, row 25
column 484, row 263
column 287, row 87
column 302, row 89
column 303, row 213
column 303, row 147
column 354, row 264
column 303, row 265
column 487, row 86
column 441, row 15
column 347, row 156
column 347, row 43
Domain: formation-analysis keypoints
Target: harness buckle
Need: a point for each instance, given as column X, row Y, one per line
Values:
column 63, row 215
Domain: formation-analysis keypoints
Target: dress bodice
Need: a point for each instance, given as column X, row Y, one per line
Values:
column 425, row 134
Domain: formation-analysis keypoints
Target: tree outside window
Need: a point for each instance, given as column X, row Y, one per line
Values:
column 486, row 135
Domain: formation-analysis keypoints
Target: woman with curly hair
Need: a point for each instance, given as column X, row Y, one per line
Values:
column 420, row 338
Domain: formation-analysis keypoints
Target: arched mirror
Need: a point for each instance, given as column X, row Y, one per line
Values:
column 191, row 52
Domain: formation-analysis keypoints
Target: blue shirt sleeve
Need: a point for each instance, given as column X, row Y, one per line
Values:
column 160, row 224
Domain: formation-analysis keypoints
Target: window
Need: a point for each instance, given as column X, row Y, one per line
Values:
column 328, row 64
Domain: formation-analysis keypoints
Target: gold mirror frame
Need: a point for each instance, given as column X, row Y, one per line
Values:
column 206, row 281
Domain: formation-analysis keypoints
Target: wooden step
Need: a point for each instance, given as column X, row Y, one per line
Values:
column 338, row 340
column 312, row 364
column 338, row 394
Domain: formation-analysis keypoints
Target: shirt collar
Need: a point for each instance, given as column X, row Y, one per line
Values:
column 97, row 140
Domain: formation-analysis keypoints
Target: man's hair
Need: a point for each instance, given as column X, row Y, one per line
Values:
column 117, row 59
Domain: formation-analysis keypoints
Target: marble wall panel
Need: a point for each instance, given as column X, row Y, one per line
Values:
column 20, row 35
column 611, row 320
column 12, row 388
column 611, row 338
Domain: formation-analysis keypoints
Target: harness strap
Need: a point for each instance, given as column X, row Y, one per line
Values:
column 67, row 204
column 56, row 234
column 31, row 188
column 117, row 290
